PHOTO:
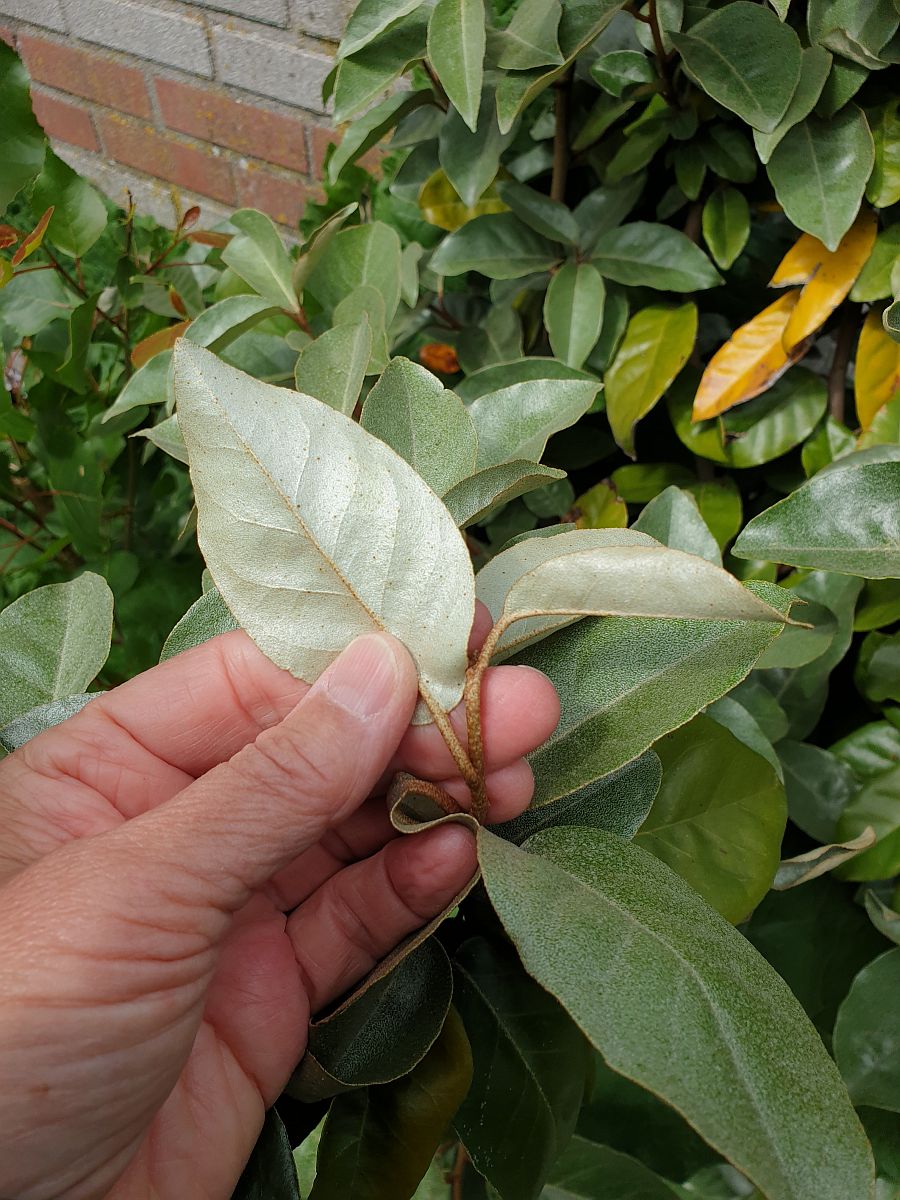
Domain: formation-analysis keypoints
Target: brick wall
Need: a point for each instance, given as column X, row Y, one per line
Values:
column 216, row 102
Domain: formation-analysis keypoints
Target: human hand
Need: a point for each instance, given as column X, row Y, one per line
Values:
column 154, row 996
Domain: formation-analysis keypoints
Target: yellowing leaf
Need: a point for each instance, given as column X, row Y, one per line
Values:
column 163, row 339
column 601, row 507
column 877, row 379
column 832, row 280
column 441, row 205
column 749, row 362
column 800, row 263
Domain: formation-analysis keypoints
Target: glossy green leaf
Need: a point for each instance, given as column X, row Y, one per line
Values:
column 623, row 683
column 472, row 499
column 639, row 482
column 270, row 1174
column 79, row 214
column 258, row 255
column 746, row 59
column 619, row 72
column 879, row 605
column 528, row 1058
column 361, row 255
column 576, row 901
column 380, row 1033
column 412, row 412
column 377, row 1142
column 471, row 160
column 846, row 518
column 741, row 722
column 456, row 44
column 268, row 526
column 520, row 370
column 867, row 1034
column 332, row 367
column 53, row 642
column 814, row 67
column 205, row 619
column 830, row 441
column 726, row 225
column 875, row 805
column 719, row 501
column 674, row 519
column 719, row 817
column 874, row 280
column 657, row 343
column 870, row 749
column 817, row 938
column 22, row 141
column 883, row 188
column 606, row 207
column 545, row 216
column 803, row 643
column 497, row 245
column 516, row 421
column 644, row 254
column 573, row 311
column 588, row 1171
column 530, row 39
column 27, row 726
column 819, row 171
column 877, row 673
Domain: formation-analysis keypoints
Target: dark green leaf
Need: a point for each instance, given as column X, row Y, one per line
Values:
column 472, row 499
column 572, row 906
column 874, row 804
column 867, row 1034
column 371, row 18
column 818, row 787
column 878, row 668
column 471, row 160
column 270, row 1174
column 456, row 42
column 814, row 67
column 521, row 370
column 365, row 76
column 545, row 216
column 588, row 1171
column 674, row 519
column 366, row 130
column 79, row 214
column 205, row 619
column 726, row 225
column 645, row 254
column 870, row 749
column 22, row 141
column 573, row 311
column 498, row 245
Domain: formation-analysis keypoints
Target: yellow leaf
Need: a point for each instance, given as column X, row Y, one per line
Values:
column 441, row 205
column 749, row 362
column 877, row 379
column 832, row 280
column 800, row 263
column 601, row 507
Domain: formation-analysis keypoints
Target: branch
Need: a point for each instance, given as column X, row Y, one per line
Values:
column 561, row 138
column 837, row 376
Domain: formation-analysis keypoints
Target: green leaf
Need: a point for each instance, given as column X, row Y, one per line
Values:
column 620, row 72
column 874, row 804
column 877, row 674
column 740, row 721
column 166, row 436
column 363, row 77
column 830, row 441
column 719, row 501
column 22, row 141
column 530, row 1064
column 259, row 257
column 746, row 59
column 545, row 216
column 369, row 128
column 870, row 749
column 573, row 311
column 629, row 949
column 472, row 499
column 796, row 645
column 644, row 254
column 498, row 245
column 412, row 412
column 205, row 619
column 846, row 519
column 874, row 280
column 600, row 507
column 270, row 1174
column 371, row 18
column 365, row 304
column 867, row 1034
column 276, row 476
column 658, row 342
column 223, row 323
column 516, row 421
column 758, row 431
column 53, row 642
column 605, row 208
column 332, row 367
column 587, row 1171
column 147, row 386
column 380, row 1033
column 623, row 683
column 886, row 920
column 674, row 519
column 317, row 242
column 883, row 188
column 530, row 39
column 618, row 802
column 520, row 370
column 729, row 154
column 814, row 67
column 817, row 939
column 79, row 214
column 879, row 605
column 819, row 172
column 719, row 817
column 22, row 729
column 471, row 160
column 726, row 225
column 792, row 872
column 456, row 44
column 377, row 1142
column 361, row 255
column 639, row 482
column 497, row 339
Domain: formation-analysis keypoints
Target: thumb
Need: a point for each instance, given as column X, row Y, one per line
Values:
column 226, row 835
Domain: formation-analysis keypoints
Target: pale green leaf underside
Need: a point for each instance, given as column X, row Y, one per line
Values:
column 315, row 532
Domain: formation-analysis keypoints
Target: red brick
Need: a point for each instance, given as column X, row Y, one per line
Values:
column 283, row 199
column 92, row 76
column 320, row 137
column 7, row 35
column 141, row 147
column 215, row 118
column 67, row 122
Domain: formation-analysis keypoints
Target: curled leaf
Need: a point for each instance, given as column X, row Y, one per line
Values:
column 32, row 240
column 794, row 871
column 750, row 361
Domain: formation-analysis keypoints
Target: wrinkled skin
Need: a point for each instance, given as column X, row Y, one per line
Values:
column 189, row 868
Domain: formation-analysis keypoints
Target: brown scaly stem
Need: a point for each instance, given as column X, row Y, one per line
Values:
column 454, row 745
column 561, row 139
